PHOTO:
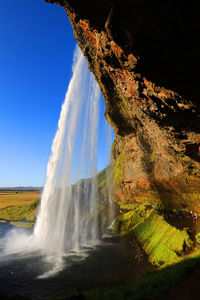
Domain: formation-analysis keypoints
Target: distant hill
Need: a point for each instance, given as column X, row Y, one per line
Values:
column 22, row 188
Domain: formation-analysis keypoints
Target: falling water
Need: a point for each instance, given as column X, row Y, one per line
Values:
column 111, row 211
column 67, row 217
column 67, row 220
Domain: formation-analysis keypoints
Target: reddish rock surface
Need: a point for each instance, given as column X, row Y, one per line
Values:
column 145, row 57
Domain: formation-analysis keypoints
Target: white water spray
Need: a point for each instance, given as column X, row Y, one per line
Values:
column 111, row 211
column 67, row 217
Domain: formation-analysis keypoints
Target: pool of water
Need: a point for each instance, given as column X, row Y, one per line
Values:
column 113, row 260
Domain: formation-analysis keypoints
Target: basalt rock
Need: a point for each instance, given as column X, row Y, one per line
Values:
column 145, row 58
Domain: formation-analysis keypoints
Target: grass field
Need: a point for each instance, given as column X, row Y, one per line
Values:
column 18, row 206
column 22, row 198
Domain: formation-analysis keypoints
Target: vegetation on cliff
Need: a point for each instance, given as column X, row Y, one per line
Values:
column 162, row 242
column 165, row 235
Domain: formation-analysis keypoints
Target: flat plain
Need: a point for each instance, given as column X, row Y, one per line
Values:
column 19, row 198
column 19, row 205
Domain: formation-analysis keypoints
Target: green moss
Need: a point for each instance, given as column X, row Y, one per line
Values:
column 198, row 238
column 104, row 186
column 103, row 178
column 22, row 224
column 127, row 206
column 133, row 217
column 118, row 170
column 18, row 213
column 193, row 199
column 148, row 156
column 186, row 158
column 117, row 226
column 163, row 243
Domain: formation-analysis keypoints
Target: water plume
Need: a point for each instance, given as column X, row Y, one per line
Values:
column 111, row 210
column 67, row 221
column 67, row 217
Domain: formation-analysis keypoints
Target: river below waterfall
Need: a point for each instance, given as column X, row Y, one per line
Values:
column 114, row 260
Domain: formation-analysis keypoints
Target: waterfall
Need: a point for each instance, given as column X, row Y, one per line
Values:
column 67, row 217
column 67, row 220
column 111, row 211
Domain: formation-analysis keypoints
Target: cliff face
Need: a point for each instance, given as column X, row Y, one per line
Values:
column 145, row 58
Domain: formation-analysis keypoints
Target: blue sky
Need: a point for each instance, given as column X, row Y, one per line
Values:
column 36, row 50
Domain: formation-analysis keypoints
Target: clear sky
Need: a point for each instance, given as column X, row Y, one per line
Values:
column 36, row 50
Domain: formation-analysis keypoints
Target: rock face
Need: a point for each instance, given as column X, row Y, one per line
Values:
column 145, row 58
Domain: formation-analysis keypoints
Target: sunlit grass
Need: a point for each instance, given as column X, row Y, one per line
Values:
column 164, row 243
column 22, row 224
column 19, row 206
column 22, row 198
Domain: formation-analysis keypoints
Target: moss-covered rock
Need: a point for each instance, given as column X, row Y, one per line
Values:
column 118, row 170
column 106, row 207
column 164, row 243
